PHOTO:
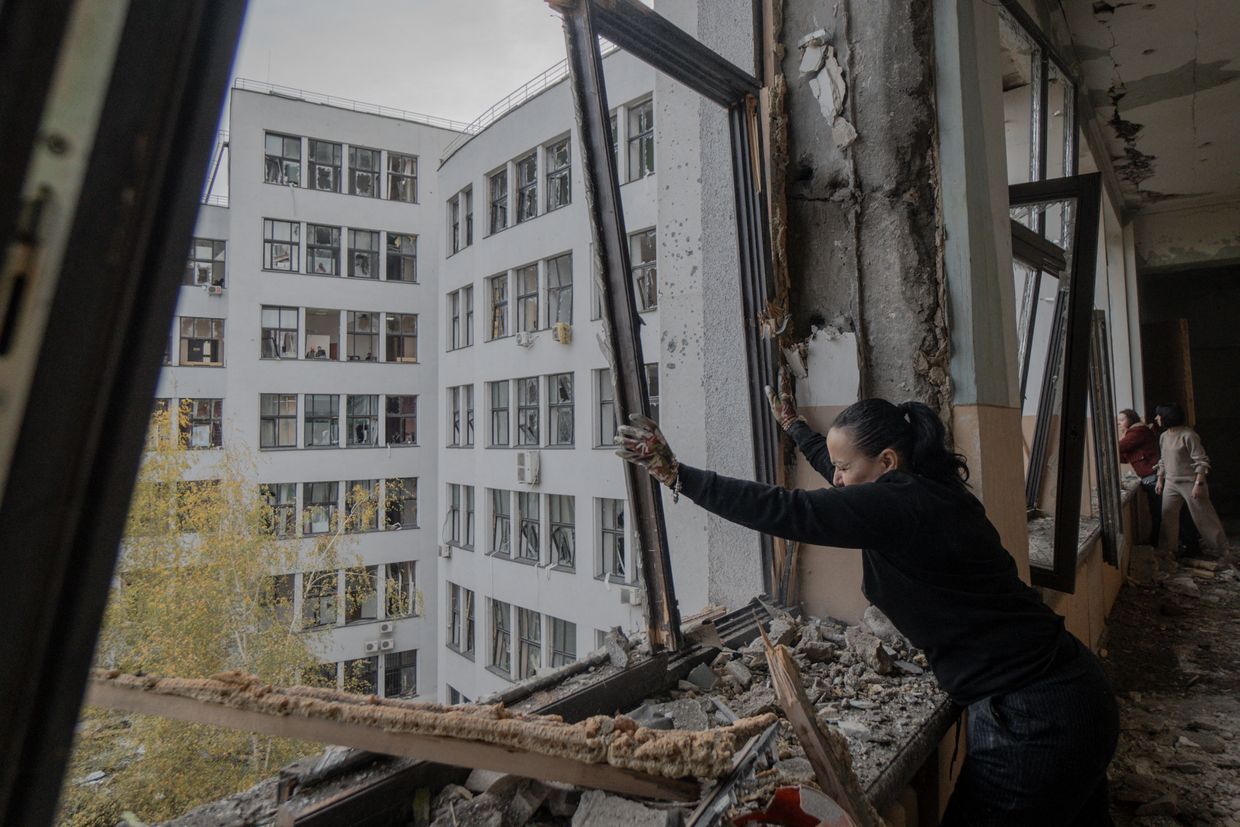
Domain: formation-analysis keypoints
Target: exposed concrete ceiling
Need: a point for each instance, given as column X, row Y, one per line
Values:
column 1164, row 78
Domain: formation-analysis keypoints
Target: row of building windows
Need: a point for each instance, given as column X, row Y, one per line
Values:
column 532, row 518
column 282, row 251
column 367, row 335
column 321, row 414
column 335, row 597
column 283, row 157
column 361, row 675
column 531, row 654
column 368, row 505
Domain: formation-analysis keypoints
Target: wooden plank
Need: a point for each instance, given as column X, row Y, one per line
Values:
column 461, row 753
column 826, row 750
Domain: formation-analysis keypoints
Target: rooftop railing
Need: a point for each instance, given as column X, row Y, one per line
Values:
column 346, row 103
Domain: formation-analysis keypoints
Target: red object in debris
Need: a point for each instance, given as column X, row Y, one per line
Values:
column 799, row 807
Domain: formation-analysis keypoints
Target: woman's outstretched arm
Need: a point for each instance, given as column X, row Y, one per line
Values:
column 813, row 446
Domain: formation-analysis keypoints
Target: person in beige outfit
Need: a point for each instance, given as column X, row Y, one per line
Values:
column 1182, row 470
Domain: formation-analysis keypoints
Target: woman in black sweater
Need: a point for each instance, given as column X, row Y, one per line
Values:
column 1042, row 723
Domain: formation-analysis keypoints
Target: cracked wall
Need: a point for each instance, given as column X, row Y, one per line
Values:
column 863, row 236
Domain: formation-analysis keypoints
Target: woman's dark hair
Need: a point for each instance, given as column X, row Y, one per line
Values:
column 1130, row 416
column 913, row 430
column 1171, row 413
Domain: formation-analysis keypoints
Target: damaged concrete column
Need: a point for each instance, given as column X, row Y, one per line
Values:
column 977, row 256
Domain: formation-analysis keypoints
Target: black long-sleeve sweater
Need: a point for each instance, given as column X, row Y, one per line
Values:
column 932, row 563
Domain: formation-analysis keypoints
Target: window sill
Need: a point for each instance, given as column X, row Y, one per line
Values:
column 526, row 561
column 402, row 527
column 469, row 656
column 399, row 445
column 495, row 670
column 288, row 359
column 282, row 184
column 461, row 347
column 274, row 448
column 459, row 447
column 566, row 447
column 320, row 447
column 280, row 270
column 398, row 281
column 361, row 621
column 610, row 447
column 196, row 365
column 460, row 547
column 564, row 569
column 616, row 579
column 499, row 555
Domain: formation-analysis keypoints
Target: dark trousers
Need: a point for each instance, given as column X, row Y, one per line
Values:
column 1190, row 538
column 1039, row 756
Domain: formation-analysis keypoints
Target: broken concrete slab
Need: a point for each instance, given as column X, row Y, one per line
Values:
column 816, row 651
column 703, row 677
column 739, row 672
column 618, row 646
column 882, row 627
column 598, row 809
column 869, row 649
column 783, row 631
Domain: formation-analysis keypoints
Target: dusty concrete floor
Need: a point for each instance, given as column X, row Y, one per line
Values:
column 1173, row 654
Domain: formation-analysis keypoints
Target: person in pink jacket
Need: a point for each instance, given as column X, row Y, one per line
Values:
column 1182, row 470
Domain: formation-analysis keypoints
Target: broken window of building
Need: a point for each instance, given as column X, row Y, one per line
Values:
column 467, row 195
column 605, row 419
column 402, row 337
column 322, row 420
column 529, row 643
column 559, row 174
column 322, row 250
column 198, row 506
column 501, row 643
column 611, row 561
column 467, row 415
column 362, row 675
column 279, row 594
column 206, row 263
column 202, row 342
column 560, row 290
column 560, row 409
column 361, row 594
column 527, row 187
column 497, row 289
column 454, row 224
column 400, row 587
column 529, row 547
column 467, row 537
column 202, row 423
column 364, row 172
column 460, row 415
column 363, row 254
column 277, row 420
column 400, row 674
column 319, row 502
column 318, row 599
column 641, row 140
column 497, row 186
column 452, row 526
column 362, row 422
column 454, row 616
column 615, row 146
column 562, row 513
column 652, row 383
column 527, row 298
column 362, row 336
column 401, row 421
column 281, row 245
column 361, row 505
column 400, row 503
column 461, row 318
column 643, row 253
column 527, row 411
column 497, row 393
column 281, row 499
column 279, row 332
column 159, row 430
column 282, row 159
column 563, row 641
column 402, row 178
column 322, row 333
column 402, row 258
column 324, row 165
column 501, row 522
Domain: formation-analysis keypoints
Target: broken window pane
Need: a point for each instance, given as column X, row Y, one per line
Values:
column 324, row 165
column 282, row 159
column 501, row 644
column 454, row 223
column 529, row 635
column 202, row 423
column 652, row 385
column 363, row 419
column 528, row 546
column 498, row 188
column 362, row 337
column 611, row 557
column 498, row 392
column 362, row 675
column 364, row 172
column 361, row 594
column 319, row 501
column 400, row 500
column 527, row 298
column 641, row 140
column 560, row 409
column 563, row 642
column 559, row 175
column 402, row 420
column 281, row 245
column 322, row 333
column 560, row 290
column 468, row 195
column 318, row 599
column 527, row 410
column 642, row 258
column 563, row 517
column 401, row 589
column 400, row 674
column 454, row 537
column 279, row 332
column 206, row 263
column 402, row 178
column 322, row 420
column 402, row 337
column 361, row 505
column 363, row 254
column 606, row 422
column 498, row 289
column 402, row 257
column 281, row 498
column 322, row 250
column 202, row 341
column 501, row 522
column 277, row 420
column 527, row 187
column 1021, row 62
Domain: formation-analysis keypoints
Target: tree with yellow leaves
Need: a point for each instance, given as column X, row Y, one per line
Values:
column 201, row 587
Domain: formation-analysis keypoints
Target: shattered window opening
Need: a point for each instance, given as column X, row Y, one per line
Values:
column 277, row 424
column 364, row 171
column 560, row 290
column 641, row 140
column 606, row 420
column 402, row 337
column 322, row 426
column 400, row 674
column 318, row 599
column 643, row 254
column 563, row 642
column 322, row 250
column 363, row 254
column 362, row 336
column 401, row 420
column 468, row 195
column 454, row 616
column 527, row 298
column 281, row 245
column 202, row 423
column 363, row 419
column 202, row 342
column 529, row 636
column 498, row 187
column 282, row 159
column 501, row 522
column 324, row 164
column 562, row 513
column 322, row 333
column 319, row 503
column 402, row 178
column 454, row 515
column 401, row 586
column 501, row 643
column 402, row 258
column 361, row 505
column 499, row 395
column 527, row 411
column 400, row 504
column 560, row 409
column 281, row 499
column 527, row 187
column 206, row 263
column 454, row 223
column 529, row 547
column 652, row 383
column 361, row 594
column 362, row 675
column 559, row 175
column 280, row 332
column 498, row 290
column 611, row 559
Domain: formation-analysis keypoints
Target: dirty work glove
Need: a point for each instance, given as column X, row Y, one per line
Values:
column 644, row 444
column 783, row 406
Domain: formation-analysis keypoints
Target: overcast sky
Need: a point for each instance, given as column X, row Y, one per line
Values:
column 451, row 58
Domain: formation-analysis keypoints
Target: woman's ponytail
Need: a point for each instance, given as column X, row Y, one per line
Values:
column 912, row 429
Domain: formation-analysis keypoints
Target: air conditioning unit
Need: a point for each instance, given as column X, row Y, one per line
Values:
column 445, row 551
column 387, row 627
column 525, row 338
column 214, row 290
column 527, row 467
column 562, row 332
column 634, row 597
column 370, row 647
column 386, row 645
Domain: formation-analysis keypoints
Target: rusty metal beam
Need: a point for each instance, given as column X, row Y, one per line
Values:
column 621, row 324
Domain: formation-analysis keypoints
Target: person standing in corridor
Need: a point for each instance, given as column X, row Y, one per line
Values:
column 1182, row 470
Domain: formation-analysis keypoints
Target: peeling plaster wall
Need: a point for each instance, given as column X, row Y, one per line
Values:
column 863, row 245
column 1188, row 237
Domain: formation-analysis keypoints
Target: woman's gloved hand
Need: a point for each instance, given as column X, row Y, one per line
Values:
column 644, row 444
column 783, row 406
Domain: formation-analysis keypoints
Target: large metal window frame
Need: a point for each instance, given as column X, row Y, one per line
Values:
column 641, row 31
column 1068, row 361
